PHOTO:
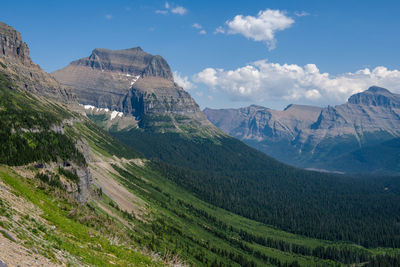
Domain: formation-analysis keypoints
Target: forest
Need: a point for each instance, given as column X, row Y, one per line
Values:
column 231, row 175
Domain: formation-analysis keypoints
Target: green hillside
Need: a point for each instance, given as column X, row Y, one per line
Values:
column 166, row 224
column 229, row 174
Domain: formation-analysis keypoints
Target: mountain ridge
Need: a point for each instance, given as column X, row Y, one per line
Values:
column 135, row 83
column 18, row 66
column 368, row 117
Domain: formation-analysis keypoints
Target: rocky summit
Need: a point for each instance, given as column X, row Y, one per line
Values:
column 130, row 81
column 16, row 63
column 311, row 137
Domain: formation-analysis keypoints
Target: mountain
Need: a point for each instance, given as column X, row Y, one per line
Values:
column 167, row 210
column 186, row 149
column 15, row 60
column 135, row 83
column 312, row 137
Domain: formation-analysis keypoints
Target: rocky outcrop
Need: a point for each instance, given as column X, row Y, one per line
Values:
column 18, row 66
column 129, row 81
column 310, row 136
column 11, row 44
column 133, row 61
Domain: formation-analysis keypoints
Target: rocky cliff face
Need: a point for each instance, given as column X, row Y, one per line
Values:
column 260, row 123
column 18, row 66
column 310, row 136
column 130, row 81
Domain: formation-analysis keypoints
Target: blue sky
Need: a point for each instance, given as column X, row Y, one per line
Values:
column 331, row 48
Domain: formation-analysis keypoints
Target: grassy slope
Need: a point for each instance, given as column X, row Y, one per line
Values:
column 177, row 223
column 184, row 225
column 82, row 241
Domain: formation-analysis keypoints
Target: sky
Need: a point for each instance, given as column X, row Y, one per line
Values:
column 229, row 53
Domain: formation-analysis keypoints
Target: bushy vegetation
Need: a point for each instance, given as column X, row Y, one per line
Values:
column 71, row 175
column 25, row 129
column 233, row 176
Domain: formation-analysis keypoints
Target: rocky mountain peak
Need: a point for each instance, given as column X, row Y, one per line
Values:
column 135, row 83
column 19, row 68
column 11, row 44
column 132, row 61
column 376, row 96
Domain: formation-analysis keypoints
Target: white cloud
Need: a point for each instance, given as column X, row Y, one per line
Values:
column 108, row 16
column 197, row 26
column 183, row 81
column 301, row 13
column 262, row 27
column 203, row 32
column 262, row 81
column 219, row 30
column 207, row 76
column 180, row 10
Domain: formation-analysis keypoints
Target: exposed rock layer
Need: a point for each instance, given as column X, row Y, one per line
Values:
column 18, row 66
column 310, row 136
column 130, row 81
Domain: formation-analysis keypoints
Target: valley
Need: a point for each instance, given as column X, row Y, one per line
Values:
column 109, row 162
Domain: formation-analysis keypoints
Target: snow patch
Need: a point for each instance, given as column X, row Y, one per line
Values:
column 135, row 78
column 113, row 114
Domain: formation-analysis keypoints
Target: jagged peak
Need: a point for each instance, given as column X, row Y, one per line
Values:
column 132, row 61
column 11, row 44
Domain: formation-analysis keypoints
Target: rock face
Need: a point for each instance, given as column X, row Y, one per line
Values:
column 18, row 66
column 11, row 44
column 129, row 81
column 315, row 137
column 260, row 123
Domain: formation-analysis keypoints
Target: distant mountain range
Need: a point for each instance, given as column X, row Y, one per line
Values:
column 339, row 138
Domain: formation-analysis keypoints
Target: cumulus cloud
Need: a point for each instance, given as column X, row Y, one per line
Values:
column 197, row 26
column 180, row 10
column 219, row 30
column 183, row 81
column 200, row 28
column 261, row 28
column 263, row 81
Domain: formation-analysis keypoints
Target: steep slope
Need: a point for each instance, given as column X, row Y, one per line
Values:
column 374, row 158
column 135, row 83
column 316, row 141
column 19, row 68
column 227, row 173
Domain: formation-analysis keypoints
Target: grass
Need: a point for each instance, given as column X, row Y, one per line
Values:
column 71, row 235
